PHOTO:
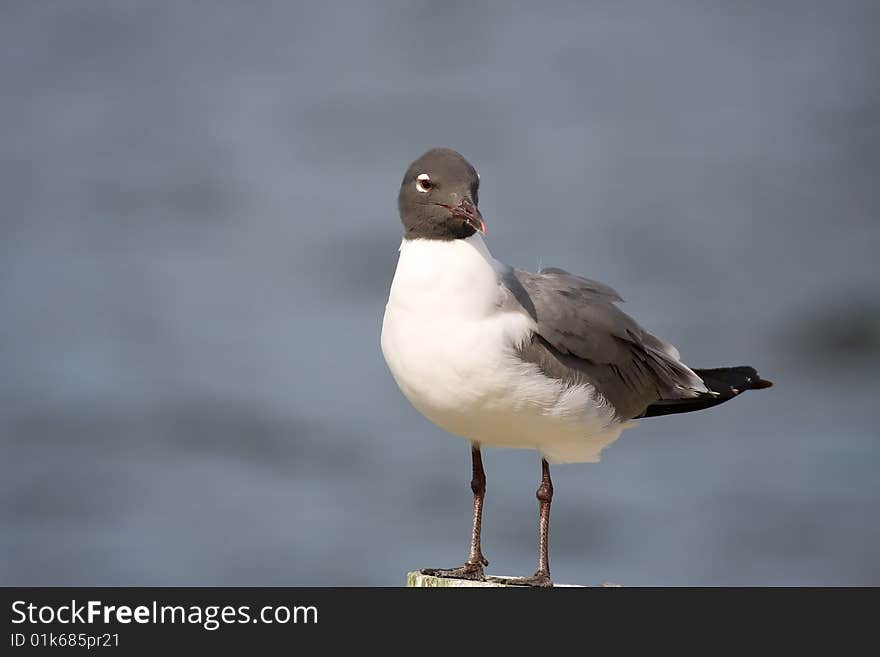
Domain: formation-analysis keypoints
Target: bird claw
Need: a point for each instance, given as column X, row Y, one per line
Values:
column 471, row 571
column 539, row 579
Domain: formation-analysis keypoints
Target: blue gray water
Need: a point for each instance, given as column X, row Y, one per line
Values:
column 199, row 230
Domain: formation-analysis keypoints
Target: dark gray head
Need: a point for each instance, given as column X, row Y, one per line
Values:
column 438, row 197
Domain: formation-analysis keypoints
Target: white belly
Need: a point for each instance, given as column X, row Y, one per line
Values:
column 452, row 351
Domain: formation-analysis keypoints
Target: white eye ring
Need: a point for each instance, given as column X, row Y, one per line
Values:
column 423, row 183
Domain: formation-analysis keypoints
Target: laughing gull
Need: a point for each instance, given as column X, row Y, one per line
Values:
column 508, row 358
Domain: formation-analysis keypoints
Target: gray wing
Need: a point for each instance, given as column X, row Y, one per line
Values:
column 583, row 337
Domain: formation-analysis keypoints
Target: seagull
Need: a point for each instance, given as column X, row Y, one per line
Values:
column 504, row 357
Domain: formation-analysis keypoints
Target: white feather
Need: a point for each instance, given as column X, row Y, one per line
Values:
column 450, row 343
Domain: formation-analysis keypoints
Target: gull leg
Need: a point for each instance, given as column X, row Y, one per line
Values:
column 545, row 497
column 473, row 567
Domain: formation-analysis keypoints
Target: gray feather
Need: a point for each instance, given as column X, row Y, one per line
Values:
column 583, row 337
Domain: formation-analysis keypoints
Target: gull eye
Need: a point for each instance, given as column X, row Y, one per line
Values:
column 423, row 183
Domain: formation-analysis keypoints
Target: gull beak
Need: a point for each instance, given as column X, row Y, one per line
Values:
column 470, row 214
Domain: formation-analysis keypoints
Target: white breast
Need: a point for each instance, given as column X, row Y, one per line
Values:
column 450, row 343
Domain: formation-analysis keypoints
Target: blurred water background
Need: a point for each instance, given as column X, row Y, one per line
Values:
column 199, row 229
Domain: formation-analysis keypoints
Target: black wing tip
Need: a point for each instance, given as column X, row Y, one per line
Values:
column 738, row 379
column 756, row 381
column 760, row 384
column 724, row 383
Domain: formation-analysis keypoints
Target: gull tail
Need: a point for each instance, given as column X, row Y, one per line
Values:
column 724, row 383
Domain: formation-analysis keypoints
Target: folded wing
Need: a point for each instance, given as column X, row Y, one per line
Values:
column 582, row 337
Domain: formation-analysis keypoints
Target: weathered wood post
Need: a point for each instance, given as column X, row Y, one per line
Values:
column 415, row 579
